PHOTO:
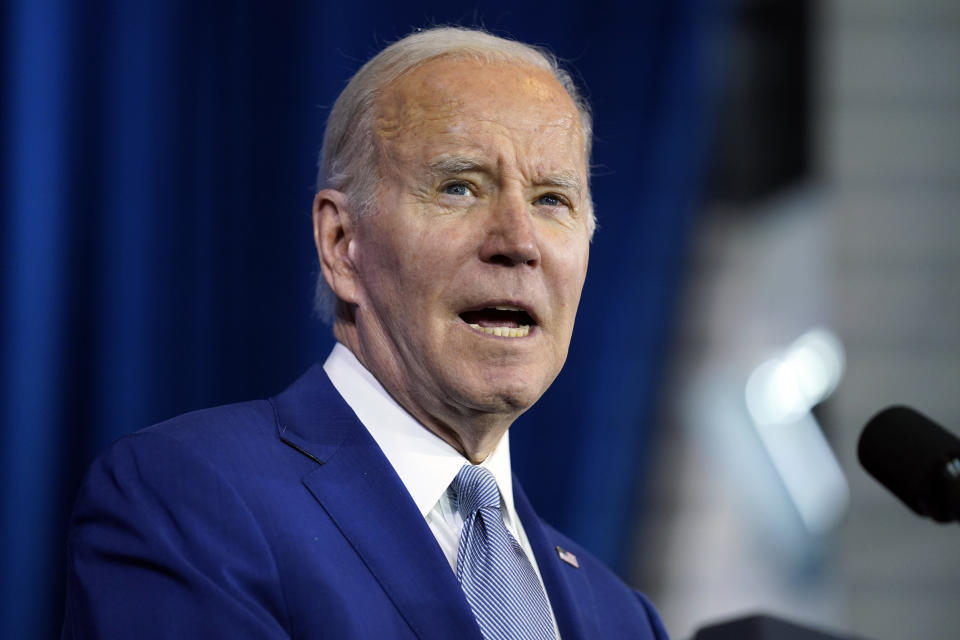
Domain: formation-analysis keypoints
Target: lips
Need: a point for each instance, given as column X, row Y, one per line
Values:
column 508, row 321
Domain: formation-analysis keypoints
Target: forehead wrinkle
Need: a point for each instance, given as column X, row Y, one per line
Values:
column 424, row 109
column 393, row 120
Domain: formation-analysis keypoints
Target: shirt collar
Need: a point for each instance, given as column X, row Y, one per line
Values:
column 425, row 463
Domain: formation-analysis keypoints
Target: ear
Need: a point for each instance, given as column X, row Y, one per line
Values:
column 333, row 228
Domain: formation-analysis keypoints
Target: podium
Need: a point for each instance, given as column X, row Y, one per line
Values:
column 763, row 627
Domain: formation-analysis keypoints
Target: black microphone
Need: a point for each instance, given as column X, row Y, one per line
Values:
column 916, row 459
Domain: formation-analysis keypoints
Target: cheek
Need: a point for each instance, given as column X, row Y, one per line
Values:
column 571, row 271
column 424, row 268
column 378, row 266
column 405, row 272
column 434, row 257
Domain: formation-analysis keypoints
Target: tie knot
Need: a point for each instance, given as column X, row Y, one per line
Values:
column 474, row 488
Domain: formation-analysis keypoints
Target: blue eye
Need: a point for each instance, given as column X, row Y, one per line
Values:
column 551, row 200
column 457, row 189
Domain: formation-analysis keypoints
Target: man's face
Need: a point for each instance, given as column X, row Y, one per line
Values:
column 470, row 267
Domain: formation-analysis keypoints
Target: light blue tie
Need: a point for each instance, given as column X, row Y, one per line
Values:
column 500, row 584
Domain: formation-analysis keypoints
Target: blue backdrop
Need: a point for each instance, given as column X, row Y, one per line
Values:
column 156, row 175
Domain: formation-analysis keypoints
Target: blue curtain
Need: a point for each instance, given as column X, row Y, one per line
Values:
column 156, row 171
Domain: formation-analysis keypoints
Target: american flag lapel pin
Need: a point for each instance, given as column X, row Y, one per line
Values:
column 568, row 557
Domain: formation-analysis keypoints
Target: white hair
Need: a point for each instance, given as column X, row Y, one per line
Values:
column 350, row 154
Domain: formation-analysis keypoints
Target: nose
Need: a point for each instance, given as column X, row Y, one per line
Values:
column 510, row 238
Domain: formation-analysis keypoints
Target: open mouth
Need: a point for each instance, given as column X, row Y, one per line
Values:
column 505, row 321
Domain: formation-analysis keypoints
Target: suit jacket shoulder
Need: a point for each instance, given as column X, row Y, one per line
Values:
column 269, row 519
column 282, row 518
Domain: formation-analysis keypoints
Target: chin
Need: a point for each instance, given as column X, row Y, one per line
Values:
column 509, row 394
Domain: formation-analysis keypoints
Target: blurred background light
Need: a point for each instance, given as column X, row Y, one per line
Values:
column 787, row 386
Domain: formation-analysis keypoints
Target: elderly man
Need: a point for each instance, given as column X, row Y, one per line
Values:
column 374, row 497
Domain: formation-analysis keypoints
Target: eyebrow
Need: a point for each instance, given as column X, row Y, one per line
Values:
column 456, row 164
column 563, row 180
column 452, row 165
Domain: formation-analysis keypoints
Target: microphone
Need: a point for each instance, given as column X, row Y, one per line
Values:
column 916, row 459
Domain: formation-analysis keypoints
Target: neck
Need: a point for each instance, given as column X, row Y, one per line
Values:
column 473, row 433
column 475, row 442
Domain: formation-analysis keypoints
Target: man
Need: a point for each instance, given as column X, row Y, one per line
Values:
column 374, row 498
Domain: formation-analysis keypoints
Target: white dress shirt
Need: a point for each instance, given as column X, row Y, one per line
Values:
column 425, row 463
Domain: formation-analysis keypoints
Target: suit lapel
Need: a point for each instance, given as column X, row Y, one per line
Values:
column 566, row 585
column 363, row 495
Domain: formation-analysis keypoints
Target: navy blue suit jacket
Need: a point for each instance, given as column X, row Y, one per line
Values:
column 282, row 518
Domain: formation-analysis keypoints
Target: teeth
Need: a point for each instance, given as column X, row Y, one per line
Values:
column 508, row 308
column 504, row 332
